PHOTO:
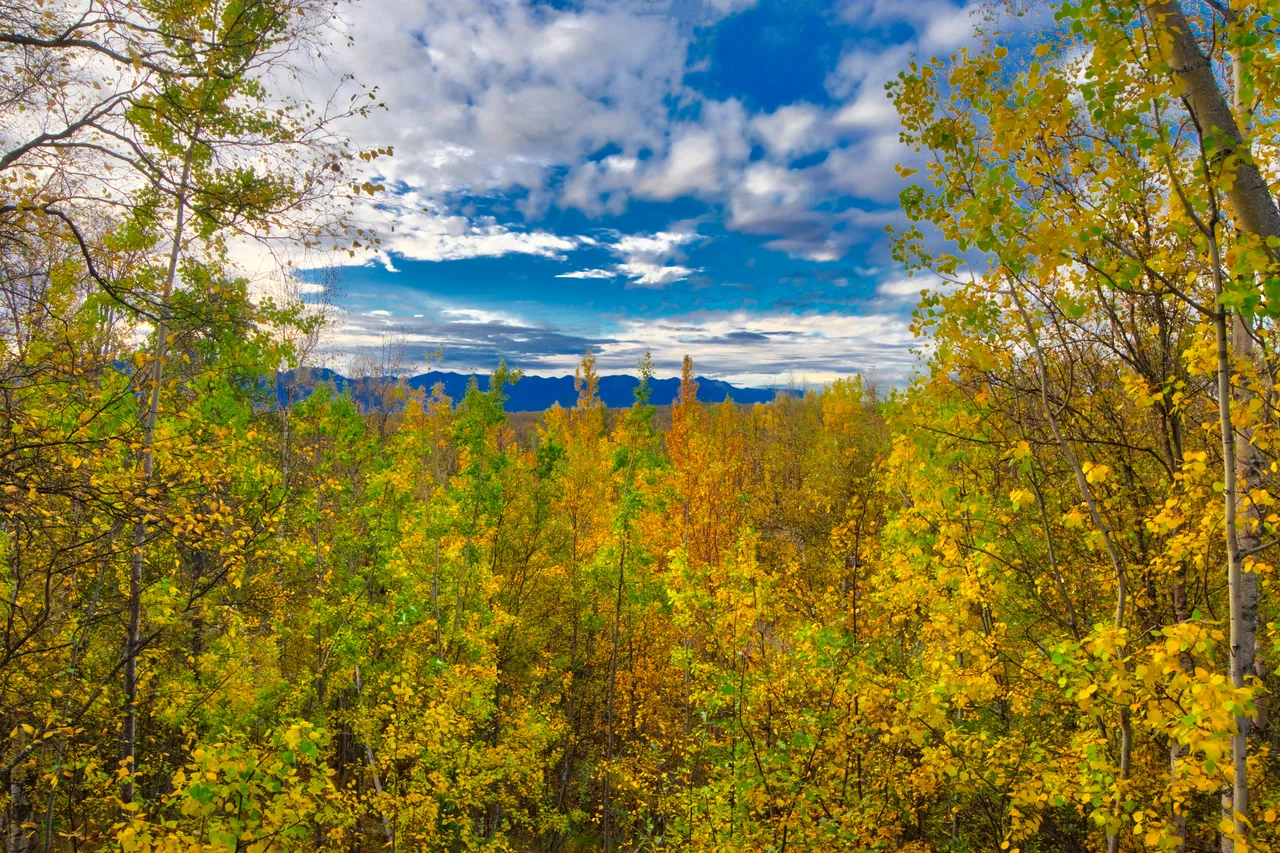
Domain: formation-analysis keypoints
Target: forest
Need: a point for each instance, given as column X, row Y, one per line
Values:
column 1022, row 602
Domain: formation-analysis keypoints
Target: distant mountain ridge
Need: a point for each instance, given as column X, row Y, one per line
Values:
column 536, row 393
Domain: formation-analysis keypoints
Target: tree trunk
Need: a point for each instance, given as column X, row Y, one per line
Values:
column 1256, row 214
column 1250, row 465
column 1237, row 809
column 435, row 601
column 19, row 805
column 1255, row 210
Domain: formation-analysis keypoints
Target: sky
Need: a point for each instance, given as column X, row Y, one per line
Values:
column 701, row 177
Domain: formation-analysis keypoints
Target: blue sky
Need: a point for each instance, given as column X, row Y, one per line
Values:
column 710, row 177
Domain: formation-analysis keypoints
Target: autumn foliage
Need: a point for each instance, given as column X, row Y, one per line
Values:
column 1025, row 601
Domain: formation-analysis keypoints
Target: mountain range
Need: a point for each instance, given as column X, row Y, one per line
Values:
column 536, row 393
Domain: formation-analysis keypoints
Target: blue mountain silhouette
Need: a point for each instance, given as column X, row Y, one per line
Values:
column 535, row 393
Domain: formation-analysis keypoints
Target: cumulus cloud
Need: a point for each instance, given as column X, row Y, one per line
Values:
column 587, row 108
column 453, row 238
column 413, row 226
column 859, row 78
column 489, row 96
column 792, row 129
column 644, row 258
column 654, row 247
column 511, row 97
column 647, row 274
column 690, row 166
column 702, row 156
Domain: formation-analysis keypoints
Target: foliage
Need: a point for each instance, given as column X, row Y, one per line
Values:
column 1024, row 603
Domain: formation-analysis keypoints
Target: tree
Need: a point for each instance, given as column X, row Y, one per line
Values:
column 1096, row 190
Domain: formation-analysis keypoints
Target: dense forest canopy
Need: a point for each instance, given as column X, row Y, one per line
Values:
column 1025, row 602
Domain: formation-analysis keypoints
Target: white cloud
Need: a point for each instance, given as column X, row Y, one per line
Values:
column 710, row 159
column 902, row 287
column 600, row 187
column 468, row 337
column 507, row 98
column 896, row 294
column 941, row 26
column 746, row 348
column 655, row 247
column 588, row 274
column 408, row 225
column 766, row 186
column 647, row 274
column 690, row 165
column 644, row 259
column 938, row 24
column 862, row 68
column 859, row 78
column 755, row 349
column 867, row 111
column 865, row 169
column 489, row 96
column 774, row 201
column 478, row 315
column 485, row 98
column 477, row 241
column 950, row 28
column 792, row 129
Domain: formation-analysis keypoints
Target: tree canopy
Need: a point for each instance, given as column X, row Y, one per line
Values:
column 1024, row 602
